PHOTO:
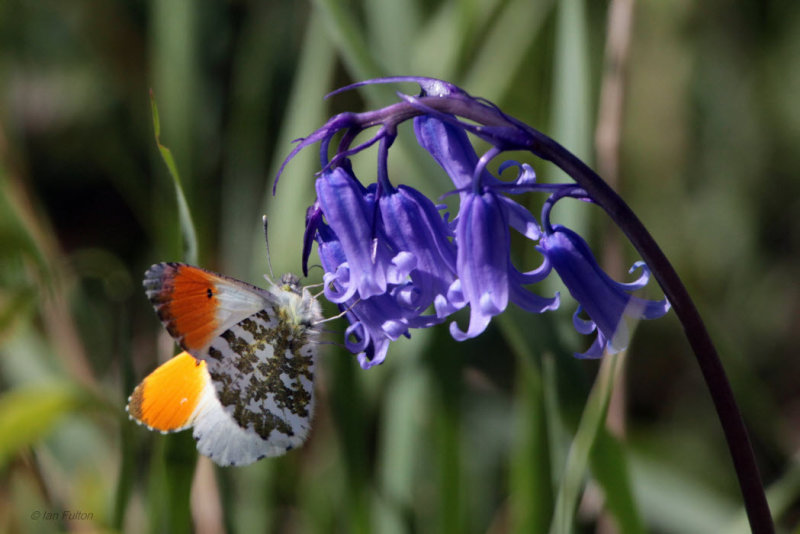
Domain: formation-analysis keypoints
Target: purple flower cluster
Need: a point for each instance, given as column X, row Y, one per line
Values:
column 393, row 261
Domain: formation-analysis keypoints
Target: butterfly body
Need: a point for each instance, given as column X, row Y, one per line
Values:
column 245, row 380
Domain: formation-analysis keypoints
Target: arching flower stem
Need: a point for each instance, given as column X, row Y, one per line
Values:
column 719, row 387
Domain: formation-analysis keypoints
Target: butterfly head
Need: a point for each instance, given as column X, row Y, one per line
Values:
column 290, row 282
column 296, row 302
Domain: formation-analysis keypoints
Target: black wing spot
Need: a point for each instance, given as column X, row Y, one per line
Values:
column 209, row 293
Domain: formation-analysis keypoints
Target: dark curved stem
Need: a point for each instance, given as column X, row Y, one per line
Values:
column 730, row 417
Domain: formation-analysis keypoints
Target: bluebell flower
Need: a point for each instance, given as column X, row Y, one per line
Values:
column 388, row 236
column 421, row 238
column 375, row 321
column 605, row 301
column 487, row 280
column 350, row 211
column 391, row 259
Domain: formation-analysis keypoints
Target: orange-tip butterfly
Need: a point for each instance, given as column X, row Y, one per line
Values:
column 245, row 379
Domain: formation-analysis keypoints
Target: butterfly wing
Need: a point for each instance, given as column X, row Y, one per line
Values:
column 196, row 305
column 250, row 393
column 170, row 398
column 262, row 369
column 180, row 394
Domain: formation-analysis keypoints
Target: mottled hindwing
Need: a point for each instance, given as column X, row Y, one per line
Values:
column 258, row 347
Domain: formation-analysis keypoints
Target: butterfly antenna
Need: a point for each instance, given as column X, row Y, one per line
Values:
column 312, row 286
column 306, row 290
column 338, row 315
column 266, row 239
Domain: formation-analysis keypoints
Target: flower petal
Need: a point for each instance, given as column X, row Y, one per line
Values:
column 526, row 300
column 450, row 147
column 522, row 220
column 604, row 300
column 483, row 241
column 350, row 215
column 420, row 233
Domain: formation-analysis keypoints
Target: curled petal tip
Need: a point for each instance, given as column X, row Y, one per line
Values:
column 604, row 300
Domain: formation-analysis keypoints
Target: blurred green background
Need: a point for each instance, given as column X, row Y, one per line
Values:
column 444, row 437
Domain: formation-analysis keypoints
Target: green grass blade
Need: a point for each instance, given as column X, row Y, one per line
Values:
column 448, row 451
column 441, row 32
column 530, row 468
column 391, row 26
column 18, row 302
column 347, row 406
column 609, row 466
column 251, row 135
column 406, row 404
column 572, row 110
column 305, row 112
column 353, row 48
column 28, row 414
column 184, row 214
column 179, row 455
column 349, row 39
column 519, row 23
column 556, row 433
column 673, row 500
column 578, row 456
column 531, row 499
column 571, row 82
column 180, row 459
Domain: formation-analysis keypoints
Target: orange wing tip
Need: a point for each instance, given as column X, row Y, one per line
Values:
column 167, row 399
column 185, row 300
